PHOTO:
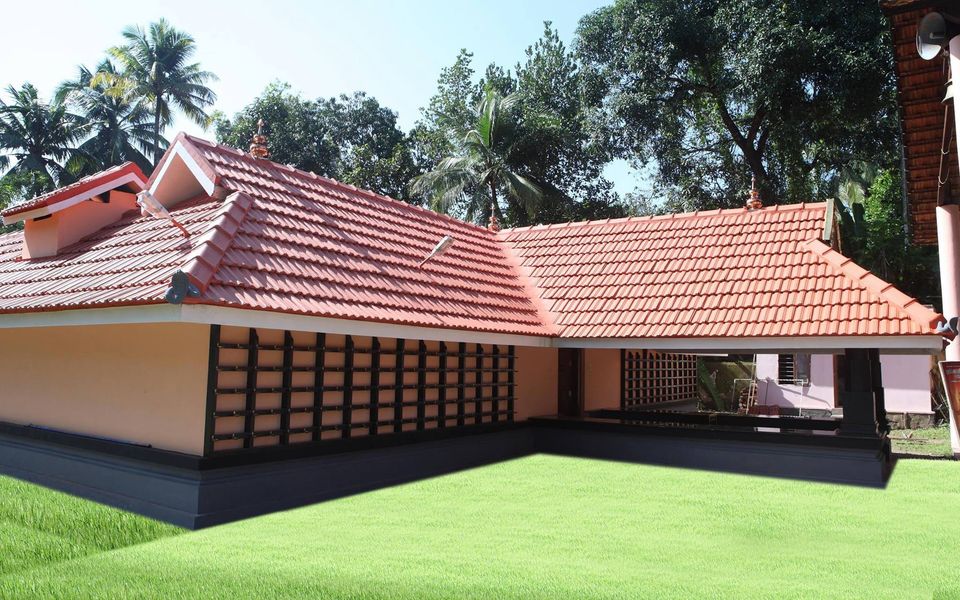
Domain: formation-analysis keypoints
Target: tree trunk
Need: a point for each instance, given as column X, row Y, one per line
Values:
column 754, row 160
column 156, row 136
column 494, row 205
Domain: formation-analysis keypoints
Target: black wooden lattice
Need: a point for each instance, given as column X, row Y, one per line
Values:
column 474, row 384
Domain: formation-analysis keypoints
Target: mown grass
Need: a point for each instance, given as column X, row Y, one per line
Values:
column 552, row 527
column 931, row 441
column 41, row 527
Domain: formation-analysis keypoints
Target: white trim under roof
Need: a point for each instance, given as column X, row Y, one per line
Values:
column 887, row 344
column 43, row 211
column 206, row 314
column 221, row 315
column 202, row 178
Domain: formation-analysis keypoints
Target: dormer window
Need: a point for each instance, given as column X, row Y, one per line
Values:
column 67, row 215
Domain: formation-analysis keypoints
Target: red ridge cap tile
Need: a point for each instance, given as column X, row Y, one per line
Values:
column 202, row 263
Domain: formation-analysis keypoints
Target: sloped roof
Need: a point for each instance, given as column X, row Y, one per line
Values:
column 278, row 239
column 125, row 174
column 288, row 241
column 729, row 273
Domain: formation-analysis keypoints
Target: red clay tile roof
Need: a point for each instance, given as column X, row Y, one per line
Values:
column 730, row 273
column 288, row 241
column 126, row 170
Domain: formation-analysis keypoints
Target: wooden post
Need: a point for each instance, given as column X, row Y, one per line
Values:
column 857, row 398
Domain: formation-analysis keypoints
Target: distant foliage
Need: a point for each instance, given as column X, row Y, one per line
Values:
column 105, row 116
column 349, row 138
column 713, row 91
column 37, row 140
column 876, row 238
column 551, row 142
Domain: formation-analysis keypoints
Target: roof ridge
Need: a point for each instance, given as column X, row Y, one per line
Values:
column 883, row 290
column 673, row 216
column 205, row 258
column 336, row 183
column 531, row 290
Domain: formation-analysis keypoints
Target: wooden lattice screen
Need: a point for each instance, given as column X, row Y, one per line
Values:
column 273, row 387
column 651, row 377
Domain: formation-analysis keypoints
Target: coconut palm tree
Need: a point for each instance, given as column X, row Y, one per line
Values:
column 119, row 130
column 37, row 138
column 157, row 75
column 481, row 172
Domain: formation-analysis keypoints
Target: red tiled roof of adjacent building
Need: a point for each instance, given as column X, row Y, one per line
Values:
column 88, row 184
column 730, row 273
column 288, row 241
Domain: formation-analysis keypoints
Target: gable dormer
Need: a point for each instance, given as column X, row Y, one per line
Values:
column 64, row 216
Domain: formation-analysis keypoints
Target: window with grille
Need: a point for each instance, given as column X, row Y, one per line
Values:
column 793, row 369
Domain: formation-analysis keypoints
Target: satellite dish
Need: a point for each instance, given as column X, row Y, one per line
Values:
column 934, row 34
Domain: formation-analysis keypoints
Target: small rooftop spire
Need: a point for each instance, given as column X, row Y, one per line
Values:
column 258, row 149
column 494, row 224
column 754, row 202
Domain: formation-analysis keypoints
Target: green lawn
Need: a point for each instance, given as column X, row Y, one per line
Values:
column 932, row 441
column 538, row 527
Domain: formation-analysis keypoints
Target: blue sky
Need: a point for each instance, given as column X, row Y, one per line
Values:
column 391, row 50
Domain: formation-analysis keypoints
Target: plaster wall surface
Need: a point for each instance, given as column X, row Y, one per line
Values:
column 144, row 384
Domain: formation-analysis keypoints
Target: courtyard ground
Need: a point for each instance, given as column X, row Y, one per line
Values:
column 537, row 527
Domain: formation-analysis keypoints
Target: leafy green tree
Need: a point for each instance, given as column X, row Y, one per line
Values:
column 875, row 236
column 350, row 138
column 373, row 152
column 552, row 142
column 447, row 115
column 37, row 139
column 474, row 180
column 297, row 135
column 119, row 130
column 716, row 90
column 157, row 75
column 16, row 187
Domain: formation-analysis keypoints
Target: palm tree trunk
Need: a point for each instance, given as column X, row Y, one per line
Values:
column 493, row 198
column 156, row 136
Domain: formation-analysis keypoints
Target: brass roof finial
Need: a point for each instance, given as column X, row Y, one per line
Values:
column 494, row 224
column 754, row 202
column 258, row 149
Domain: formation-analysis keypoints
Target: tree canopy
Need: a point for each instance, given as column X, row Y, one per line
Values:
column 716, row 90
column 350, row 138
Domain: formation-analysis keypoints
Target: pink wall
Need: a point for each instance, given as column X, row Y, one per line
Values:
column 817, row 395
column 906, row 383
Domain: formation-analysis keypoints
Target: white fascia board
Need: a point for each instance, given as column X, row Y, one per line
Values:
column 887, row 344
column 220, row 315
column 205, row 182
column 72, row 200
column 119, row 315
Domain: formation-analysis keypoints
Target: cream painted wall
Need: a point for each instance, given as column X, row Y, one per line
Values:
column 536, row 381
column 601, row 378
column 136, row 383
